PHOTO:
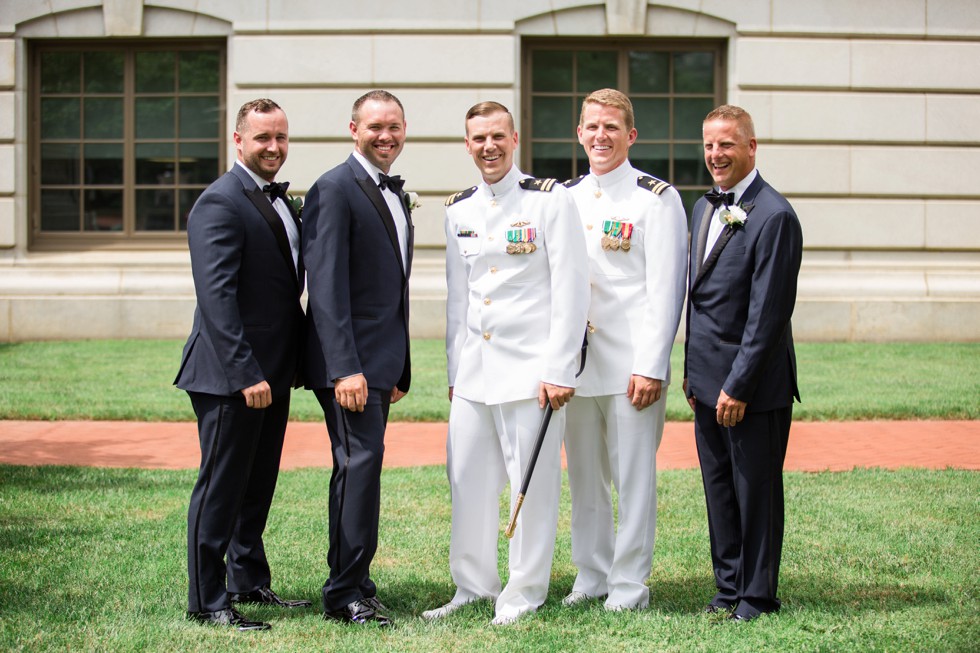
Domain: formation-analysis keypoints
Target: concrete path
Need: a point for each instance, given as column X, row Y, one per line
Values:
column 813, row 446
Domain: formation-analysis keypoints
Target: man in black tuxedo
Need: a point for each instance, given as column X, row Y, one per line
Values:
column 740, row 366
column 238, row 366
column 357, row 246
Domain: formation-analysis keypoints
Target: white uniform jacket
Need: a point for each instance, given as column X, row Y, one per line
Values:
column 515, row 319
column 637, row 286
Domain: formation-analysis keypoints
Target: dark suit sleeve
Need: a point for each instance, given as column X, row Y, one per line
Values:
column 778, row 253
column 326, row 255
column 216, row 236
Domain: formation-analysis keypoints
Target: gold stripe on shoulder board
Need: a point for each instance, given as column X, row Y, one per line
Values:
column 652, row 184
column 461, row 195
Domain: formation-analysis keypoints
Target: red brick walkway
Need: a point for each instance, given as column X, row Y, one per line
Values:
column 813, row 446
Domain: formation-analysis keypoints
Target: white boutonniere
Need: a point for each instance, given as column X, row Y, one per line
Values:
column 296, row 202
column 733, row 216
column 412, row 201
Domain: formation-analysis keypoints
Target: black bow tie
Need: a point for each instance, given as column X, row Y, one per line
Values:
column 717, row 199
column 275, row 189
column 394, row 182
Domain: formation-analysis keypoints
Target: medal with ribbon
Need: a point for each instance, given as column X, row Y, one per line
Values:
column 617, row 235
column 521, row 241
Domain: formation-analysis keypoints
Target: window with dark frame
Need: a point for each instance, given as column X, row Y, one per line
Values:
column 672, row 85
column 124, row 138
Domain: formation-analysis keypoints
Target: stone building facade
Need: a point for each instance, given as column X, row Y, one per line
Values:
column 114, row 114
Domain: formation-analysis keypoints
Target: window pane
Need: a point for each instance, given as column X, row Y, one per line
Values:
column 60, row 118
column 651, row 158
column 103, row 163
column 103, row 118
column 103, row 210
column 649, row 72
column 199, row 72
column 689, row 116
column 155, row 210
column 596, row 70
column 554, row 117
column 199, row 163
column 652, row 118
column 59, row 210
column 103, row 72
column 59, row 163
column 552, row 70
column 199, row 117
column 155, row 72
column 154, row 118
column 694, row 72
column 155, row 163
column 61, row 72
column 187, row 199
column 553, row 160
column 689, row 197
column 689, row 167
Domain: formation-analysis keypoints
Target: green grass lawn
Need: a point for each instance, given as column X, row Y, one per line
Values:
column 132, row 379
column 94, row 560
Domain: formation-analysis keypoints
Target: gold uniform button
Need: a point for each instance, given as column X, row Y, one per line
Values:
column 589, row 227
column 489, row 237
column 486, row 336
column 493, row 270
column 486, row 302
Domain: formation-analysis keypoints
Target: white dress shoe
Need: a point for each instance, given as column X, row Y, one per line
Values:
column 446, row 610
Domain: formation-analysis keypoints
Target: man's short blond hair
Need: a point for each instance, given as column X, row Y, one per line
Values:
column 734, row 114
column 610, row 97
column 489, row 108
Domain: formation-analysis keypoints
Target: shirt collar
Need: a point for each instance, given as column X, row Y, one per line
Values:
column 621, row 172
column 259, row 181
column 740, row 187
column 369, row 167
column 507, row 183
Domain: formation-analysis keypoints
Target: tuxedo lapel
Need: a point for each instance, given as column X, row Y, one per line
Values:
column 709, row 262
column 703, row 234
column 262, row 203
column 374, row 194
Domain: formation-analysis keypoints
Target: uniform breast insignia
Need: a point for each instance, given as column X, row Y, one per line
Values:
column 617, row 235
column 521, row 241
column 572, row 182
column 520, row 223
column 652, row 184
column 461, row 195
column 544, row 185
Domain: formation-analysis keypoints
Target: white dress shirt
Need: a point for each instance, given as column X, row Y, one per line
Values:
column 716, row 226
column 394, row 203
column 292, row 231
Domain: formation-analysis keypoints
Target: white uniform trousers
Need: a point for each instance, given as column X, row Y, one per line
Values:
column 608, row 440
column 487, row 446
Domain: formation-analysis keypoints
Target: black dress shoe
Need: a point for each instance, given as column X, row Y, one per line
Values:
column 228, row 617
column 712, row 608
column 266, row 596
column 742, row 618
column 358, row 612
column 375, row 604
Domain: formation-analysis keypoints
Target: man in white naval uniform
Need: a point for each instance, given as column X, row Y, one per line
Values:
column 636, row 235
column 516, row 315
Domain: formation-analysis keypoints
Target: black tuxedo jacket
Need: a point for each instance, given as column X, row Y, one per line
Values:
column 740, row 301
column 248, row 321
column 357, row 315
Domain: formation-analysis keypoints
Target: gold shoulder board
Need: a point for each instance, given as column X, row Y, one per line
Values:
column 572, row 182
column 461, row 195
column 531, row 183
column 652, row 184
